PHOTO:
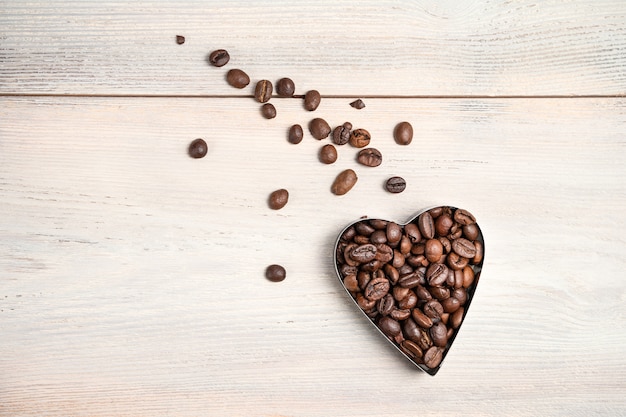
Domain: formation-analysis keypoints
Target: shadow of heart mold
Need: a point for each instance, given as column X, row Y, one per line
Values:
column 413, row 281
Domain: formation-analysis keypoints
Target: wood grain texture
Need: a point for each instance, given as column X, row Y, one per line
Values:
column 364, row 48
column 131, row 276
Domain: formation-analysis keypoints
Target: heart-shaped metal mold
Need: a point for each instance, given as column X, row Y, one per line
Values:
column 413, row 281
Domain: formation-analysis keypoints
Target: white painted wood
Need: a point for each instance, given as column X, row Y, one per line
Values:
column 372, row 47
column 131, row 276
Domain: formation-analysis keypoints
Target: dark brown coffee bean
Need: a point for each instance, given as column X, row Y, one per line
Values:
column 295, row 134
column 439, row 334
column 412, row 232
column 440, row 293
column 436, row 274
column 363, row 253
column 389, row 326
column 180, row 39
column 395, row 185
column 378, row 224
column 426, row 225
column 385, row 305
column 364, row 228
column 411, row 349
column 344, row 182
column 351, row 283
column 478, row 258
column 421, row 319
column 410, row 280
column 410, row 301
column 312, row 100
column 370, row 157
column 376, row 289
column 423, row 339
column 341, row 134
column 358, row 104
column 460, row 294
column 393, row 232
column 285, row 87
column 450, row 305
column 443, row 225
column 434, row 250
column 268, row 111
column 433, row 357
column 464, row 217
column 400, row 314
column 384, row 253
column 198, row 148
column 411, row 330
column 263, row 91
column 319, row 128
column 328, row 154
column 433, row 309
column 379, row 236
column 471, row 231
column 363, row 278
column 457, row 318
column 219, row 58
column 464, row 247
column 360, row 138
column 275, row 273
column 237, row 78
column 468, row 276
column 445, row 317
column 456, row 261
column 405, row 245
column 278, row 199
column 423, row 294
column 398, row 259
column 403, row 133
column 365, row 303
column 399, row 293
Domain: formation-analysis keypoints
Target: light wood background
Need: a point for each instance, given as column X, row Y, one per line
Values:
column 131, row 276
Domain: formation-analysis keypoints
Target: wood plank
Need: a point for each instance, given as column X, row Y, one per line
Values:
column 131, row 276
column 424, row 47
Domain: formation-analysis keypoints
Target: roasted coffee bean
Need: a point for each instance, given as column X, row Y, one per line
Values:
column 394, row 232
column 389, row 326
column 470, row 231
column 263, row 91
column 370, row 157
column 363, row 278
column 443, row 224
column 384, row 253
column 478, row 258
column 411, row 349
column 460, row 294
column 219, row 58
column 268, row 111
column 450, row 305
column 438, row 334
column 464, row 217
column 410, row 280
column 423, row 339
column 412, row 232
column 275, row 273
column 285, row 87
column 341, row 134
column 405, row 245
column 410, row 301
column 379, row 236
column 347, row 269
column 445, row 317
column 434, row 250
column 364, row 228
column 363, row 253
column 237, row 78
column 398, row 259
column 351, row 283
column 421, row 319
column 198, row 148
column 295, row 134
column 456, row 261
column 433, row 309
column 440, row 293
column 445, row 242
column 358, row 104
column 423, row 294
column 386, row 304
column 319, row 128
column 328, row 154
column 360, row 138
column 436, row 274
column 464, row 247
column 312, row 100
column 457, row 318
column 433, row 357
column 399, row 293
column 468, row 276
column 180, row 39
column 365, row 303
column 426, row 225
column 344, row 182
column 403, row 133
column 395, row 185
column 411, row 330
column 400, row 314
column 278, row 199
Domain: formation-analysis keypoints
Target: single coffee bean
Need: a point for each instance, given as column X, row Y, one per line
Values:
column 410, row 301
column 423, row 339
column 395, row 185
column 464, row 247
column 456, row 261
column 464, row 217
column 468, row 276
column 219, row 57
column 423, row 294
column 440, row 293
column 433, row 357
column 421, row 319
column 285, row 87
column 393, row 232
column 378, row 224
column 312, row 100
column 363, row 279
column 426, row 225
column 365, row 303
column 450, row 305
column 403, row 133
column 384, row 253
column 360, row 138
column 379, row 236
column 443, row 224
column 351, row 283
column 434, row 250
column 263, row 91
column 364, row 228
column 385, row 305
column 278, row 199
column 460, row 294
column 344, row 182
column 358, row 104
column 295, row 134
column 445, row 317
column 412, row 232
column 237, row 78
column 471, row 231
column 411, row 349
column 436, row 274
column 409, row 280
column 433, row 309
column 180, row 39
column 363, row 253
column 457, row 318
column 319, row 128
column 370, row 157
column 389, row 326
column 400, row 314
column 268, row 111
column 398, row 259
column 480, row 249
column 328, row 154
column 275, row 273
column 438, row 334
column 341, row 134
column 376, row 289
column 198, row 148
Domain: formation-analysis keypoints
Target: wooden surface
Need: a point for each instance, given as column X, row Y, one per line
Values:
column 131, row 276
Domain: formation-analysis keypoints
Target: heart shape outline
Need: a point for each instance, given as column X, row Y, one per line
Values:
column 471, row 289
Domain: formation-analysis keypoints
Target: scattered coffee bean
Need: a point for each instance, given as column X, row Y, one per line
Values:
column 237, row 78
column 219, row 58
column 341, row 134
column 268, row 111
column 360, row 138
column 328, row 154
column 419, row 306
column 295, row 134
column 278, row 199
column 370, row 157
column 263, row 91
column 285, row 87
column 403, row 133
column 395, row 185
column 180, row 39
column 344, row 182
column 275, row 273
column 312, row 100
column 198, row 148
column 358, row 104
column 319, row 128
